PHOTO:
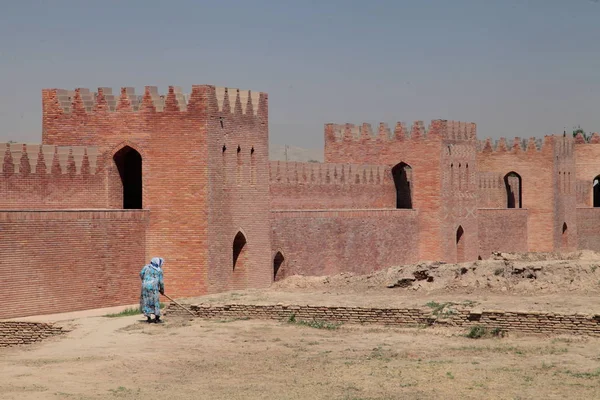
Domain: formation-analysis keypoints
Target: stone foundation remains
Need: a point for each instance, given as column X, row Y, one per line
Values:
column 515, row 321
column 13, row 333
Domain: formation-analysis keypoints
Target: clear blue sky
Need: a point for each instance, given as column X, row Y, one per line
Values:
column 515, row 67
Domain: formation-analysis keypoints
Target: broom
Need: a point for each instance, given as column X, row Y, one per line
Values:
column 178, row 304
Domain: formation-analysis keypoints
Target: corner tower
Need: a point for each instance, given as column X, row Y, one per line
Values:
column 198, row 162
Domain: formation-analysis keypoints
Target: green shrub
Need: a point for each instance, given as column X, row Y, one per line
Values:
column 477, row 332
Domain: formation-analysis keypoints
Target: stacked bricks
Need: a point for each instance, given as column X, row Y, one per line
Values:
column 516, row 321
column 13, row 333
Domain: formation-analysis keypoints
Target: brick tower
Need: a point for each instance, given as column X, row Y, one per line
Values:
column 197, row 162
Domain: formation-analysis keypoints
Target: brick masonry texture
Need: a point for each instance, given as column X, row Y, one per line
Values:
column 502, row 230
column 345, row 240
column 209, row 202
column 588, row 229
column 14, row 333
column 517, row 321
column 204, row 171
column 60, row 261
column 51, row 177
column 297, row 185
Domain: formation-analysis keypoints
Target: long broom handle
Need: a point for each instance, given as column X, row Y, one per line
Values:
column 178, row 304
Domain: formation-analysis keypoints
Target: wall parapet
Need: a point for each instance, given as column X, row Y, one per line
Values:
column 517, row 145
column 518, row 321
column 81, row 101
column 594, row 138
column 282, row 172
column 24, row 159
column 438, row 129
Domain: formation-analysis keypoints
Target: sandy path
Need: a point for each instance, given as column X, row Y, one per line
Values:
column 123, row 358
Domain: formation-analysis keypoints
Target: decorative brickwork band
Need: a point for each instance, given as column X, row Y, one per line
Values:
column 328, row 174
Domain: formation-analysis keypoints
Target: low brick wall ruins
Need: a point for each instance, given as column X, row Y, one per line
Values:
column 14, row 333
column 516, row 321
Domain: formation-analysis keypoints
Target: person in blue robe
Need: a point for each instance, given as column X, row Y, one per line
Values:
column 152, row 284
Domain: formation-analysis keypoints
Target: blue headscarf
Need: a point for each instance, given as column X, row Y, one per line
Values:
column 156, row 263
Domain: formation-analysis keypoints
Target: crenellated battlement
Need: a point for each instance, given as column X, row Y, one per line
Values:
column 593, row 139
column 438, row 129
column 282, row 172
column 24, row 159
column 516, row 145
column 83, row 101
column 232, row 100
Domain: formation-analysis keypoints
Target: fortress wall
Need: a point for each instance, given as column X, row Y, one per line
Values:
column 34, row 176
column 324, row 242
column 296, row 185
column 62, row 261
column 502, row 230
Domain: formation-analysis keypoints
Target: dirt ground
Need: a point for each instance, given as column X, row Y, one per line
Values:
column 125, row 358
column 567, row 283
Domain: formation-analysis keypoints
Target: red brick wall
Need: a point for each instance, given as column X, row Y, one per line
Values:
column 34, row 176
column 329, row 186
column 587, row 168
column 502, row 230
column 169, row 132
column 238, row 189
column 565, row 196
column 588, row 228
column 538, row 179
column 442, row 207
column 331, row 241
column 584, row 193
column 198, row 196
column 61, row 261
column 492, row 190
column 459, row 189
column 548, row 187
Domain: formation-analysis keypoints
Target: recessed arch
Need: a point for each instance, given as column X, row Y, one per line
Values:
column 239, row 250
column 596, row 191
column 460, row 244
column 128, row 143
column 129, row 164
column 514, row 193
column 565, row 236
column 278, row 263
column 402, row 174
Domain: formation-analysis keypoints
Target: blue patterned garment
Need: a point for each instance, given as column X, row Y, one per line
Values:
column 152, row 285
